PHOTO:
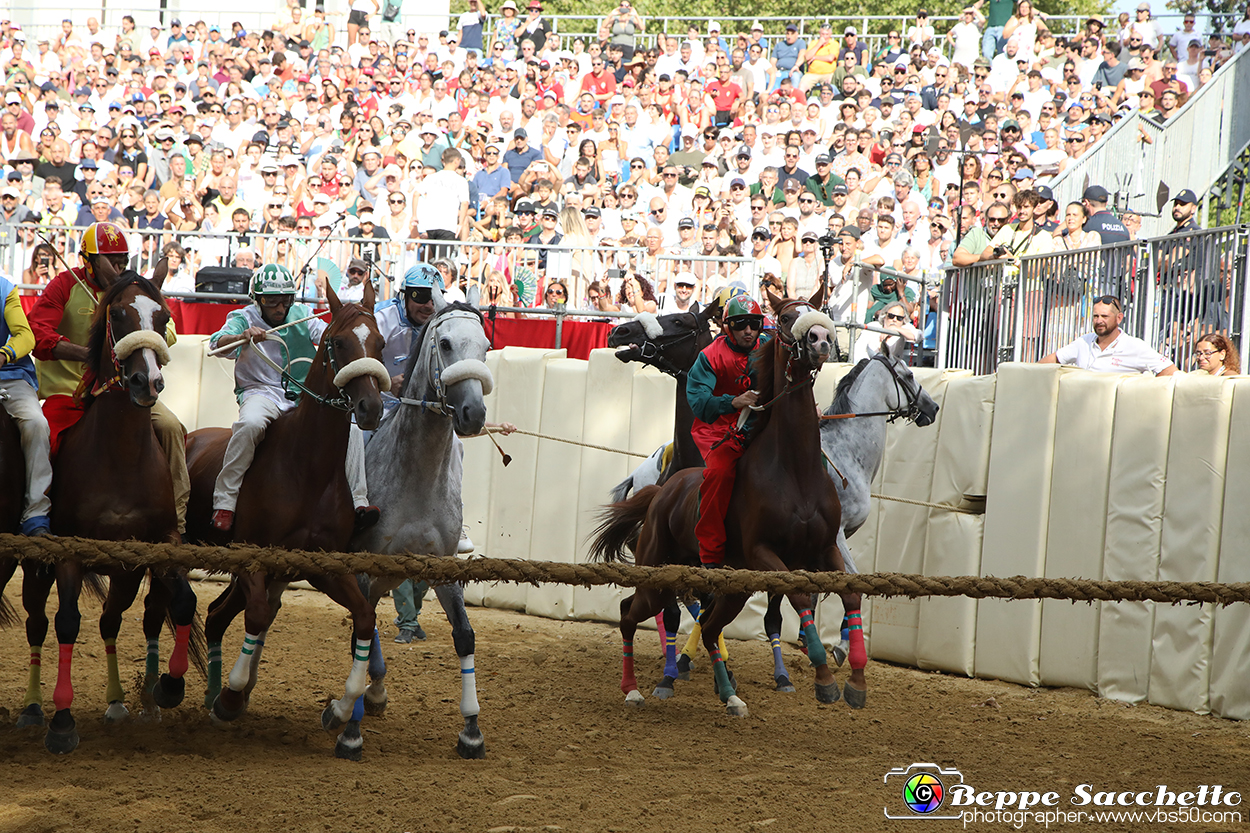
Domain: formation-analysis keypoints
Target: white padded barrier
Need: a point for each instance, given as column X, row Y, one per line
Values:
column 1084, row 416
column 1189, row 548
column 218, row 407
column 907, row 472
column 481, row 461
column 946, row 627
column 182, row 379
column 609, row 401
column 522, row 371
column 1139, row 467
column 1230, row 646
column 1016, row 517
column 553, row 530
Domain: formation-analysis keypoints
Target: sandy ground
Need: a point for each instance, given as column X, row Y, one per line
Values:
column 563, row 751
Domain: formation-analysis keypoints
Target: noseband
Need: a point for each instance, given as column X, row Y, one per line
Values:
column 912, row 409
column 653, row 352
column 441, row 376
column 340, row 376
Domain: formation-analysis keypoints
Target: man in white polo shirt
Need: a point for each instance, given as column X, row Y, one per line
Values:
column 1109, row 350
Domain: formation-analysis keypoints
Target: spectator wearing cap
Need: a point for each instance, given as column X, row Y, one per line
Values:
column 519, row 158
column 367, row 228
column 1184, row 212
column 787, row 55
column 1108, row 227
column 807, row 271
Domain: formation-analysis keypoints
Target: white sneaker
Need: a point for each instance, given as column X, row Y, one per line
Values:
column 466, row 544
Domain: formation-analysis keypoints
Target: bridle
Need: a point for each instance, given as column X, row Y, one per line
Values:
column 438, row 369
column 653, row 353
column 340, row 402
column 909, row 411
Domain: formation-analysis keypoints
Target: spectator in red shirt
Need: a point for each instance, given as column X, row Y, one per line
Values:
column 726, row 97
column 599, row 82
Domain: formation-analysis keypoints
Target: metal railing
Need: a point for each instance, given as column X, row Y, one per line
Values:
column 1191, row 150
column 1171, row 289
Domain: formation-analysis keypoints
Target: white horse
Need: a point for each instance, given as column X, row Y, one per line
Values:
column 415, row 470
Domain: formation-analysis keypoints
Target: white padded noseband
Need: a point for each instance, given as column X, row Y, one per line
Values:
column 139, row 340
column 650, row 324
column 809, row 319
column 363, row 367
column 469, row 369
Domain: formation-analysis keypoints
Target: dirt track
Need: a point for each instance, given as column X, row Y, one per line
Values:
column 563, row 752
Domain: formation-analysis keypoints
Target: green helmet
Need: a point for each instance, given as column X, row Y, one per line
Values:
column 272, row 279
column 742, row 305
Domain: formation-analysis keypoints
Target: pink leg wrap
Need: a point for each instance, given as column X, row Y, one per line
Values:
column 628, row 681
column 178, row 659
column 63, row 695
column 858, row 655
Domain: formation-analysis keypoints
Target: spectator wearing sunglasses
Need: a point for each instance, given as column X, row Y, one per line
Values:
column 1108, row 349
column 894, row 315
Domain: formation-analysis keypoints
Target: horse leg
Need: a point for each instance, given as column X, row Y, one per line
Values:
column 123, row 587
column 274, row 595
column 155, row 603
column 684, row 663
column 221, row 612
column 470, row 743
column 346, row 711
column 644, row 604
column 723, row 611
column 826, row 686
column 669, row 621
column 37, row 580
column 232, row 701
column 62, row 734
column 772, row 628
column 170, row 688
column 375, row 695
column 856, row 686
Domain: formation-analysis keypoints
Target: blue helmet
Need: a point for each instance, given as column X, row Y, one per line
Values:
column 421, row 276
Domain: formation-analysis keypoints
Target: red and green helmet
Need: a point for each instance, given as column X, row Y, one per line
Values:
column 741, row 306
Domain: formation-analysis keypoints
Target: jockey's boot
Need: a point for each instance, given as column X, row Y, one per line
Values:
column 223, row 519
column 367, row 517
column 36, row 526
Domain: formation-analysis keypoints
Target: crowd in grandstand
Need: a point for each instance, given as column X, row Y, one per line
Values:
column 799, row 155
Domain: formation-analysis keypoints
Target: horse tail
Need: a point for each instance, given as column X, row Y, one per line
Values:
column 8, row 613
column 619, row 525
column 94, row 586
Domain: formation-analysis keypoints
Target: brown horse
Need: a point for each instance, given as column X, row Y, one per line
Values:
column 295, row 495
column 784, row 514
column 111, row 481
column 12, row 501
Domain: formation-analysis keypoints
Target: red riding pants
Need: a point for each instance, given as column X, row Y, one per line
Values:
column 714, row 494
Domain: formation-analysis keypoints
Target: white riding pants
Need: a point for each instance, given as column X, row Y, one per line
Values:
column 22, row 403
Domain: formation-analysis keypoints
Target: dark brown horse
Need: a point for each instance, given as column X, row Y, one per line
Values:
column 784, row 514
column 111, row 481
column 295, row 495
column 12, row 500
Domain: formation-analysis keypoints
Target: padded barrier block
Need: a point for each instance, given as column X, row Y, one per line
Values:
column 553, row 533
column 907, row 472
column 608, row 403
column 1230, row 645
column 522, row 371
column 1016, row 506
column 1139, row 468
column 946, row 627
column 217, row 406
column 481, row 461
column 182, row 379
column 1189, row 548
column 1084, row 417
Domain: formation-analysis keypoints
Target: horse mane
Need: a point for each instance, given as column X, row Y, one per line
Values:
column 842, row 396
column 415, row 353
column 99, row 325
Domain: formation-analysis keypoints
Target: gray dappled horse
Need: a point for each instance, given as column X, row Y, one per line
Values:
column 415, row 470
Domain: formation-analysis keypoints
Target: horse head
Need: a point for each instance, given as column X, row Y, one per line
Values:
column 669, row 343
column 804, row 328
column 351, row 348
column 126, row 348
column 905, row 396
column 447, row 369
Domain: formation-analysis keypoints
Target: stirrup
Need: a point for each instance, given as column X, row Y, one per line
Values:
column 223, row 519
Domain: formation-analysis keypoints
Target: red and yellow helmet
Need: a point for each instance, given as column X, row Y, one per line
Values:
column 104, row 239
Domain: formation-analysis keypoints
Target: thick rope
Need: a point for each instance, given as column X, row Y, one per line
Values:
column 441, row 570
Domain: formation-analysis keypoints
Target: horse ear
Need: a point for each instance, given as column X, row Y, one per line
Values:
column 775, row 300
column 160, row 272
column 818, row 297
column 440, row 303
column 370, row 296
column 474, row 295
column 335, row 303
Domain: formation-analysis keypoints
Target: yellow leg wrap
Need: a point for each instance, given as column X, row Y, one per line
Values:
column 114, row 691
column 691, row 648
column 720, row 643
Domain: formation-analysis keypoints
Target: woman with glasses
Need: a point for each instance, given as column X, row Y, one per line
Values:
column 1216, row 355
column 894, row 315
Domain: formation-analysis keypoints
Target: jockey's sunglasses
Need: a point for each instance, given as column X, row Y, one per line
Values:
column 420, row 295
column 272, row 301
column 740, row 324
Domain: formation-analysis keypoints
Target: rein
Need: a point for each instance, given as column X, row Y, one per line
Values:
column 439, row 404
column 341, row 402
column 654, row 353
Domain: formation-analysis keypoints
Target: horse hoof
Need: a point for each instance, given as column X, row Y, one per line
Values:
column 856, row 698
column 734, row 706
column 784, row 684
column 169, row 691
column 62, row 736
column 664, row 690
column 222, row 710
column 116, row 712
column 830, row 693
column 329, row 720
column 839, row 652
column 470, row 745
column 635, row 699
column 684, row 667
column 375, row 708
column 32, row 717
column 350, row 745
column 210, row 695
